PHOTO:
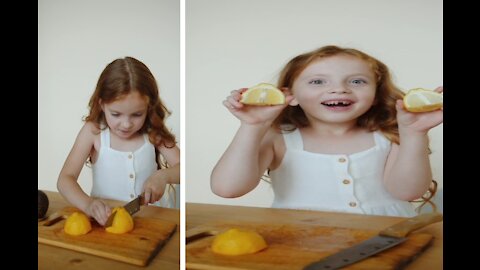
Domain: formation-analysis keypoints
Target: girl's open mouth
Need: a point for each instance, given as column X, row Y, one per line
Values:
column 337, row 103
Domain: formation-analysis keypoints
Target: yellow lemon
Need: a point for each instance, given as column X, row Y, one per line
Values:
column 263, row 94
column 77, row 224
column 238, row 242
column 422, row 100
column 122, row 222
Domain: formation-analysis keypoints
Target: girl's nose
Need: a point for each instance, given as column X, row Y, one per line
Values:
column 340, row 89
column 126, row 124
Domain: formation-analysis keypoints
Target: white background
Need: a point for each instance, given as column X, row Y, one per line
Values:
column 76, row 41
column 239, row 43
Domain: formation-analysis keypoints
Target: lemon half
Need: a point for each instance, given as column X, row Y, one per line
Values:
column 263, row 94
column 77, row 224
column 422, row 100
column 238, row 242
column 122, row 222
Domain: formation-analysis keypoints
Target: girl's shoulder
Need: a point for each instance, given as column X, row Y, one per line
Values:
column 90, row 134
column 280, row 135
column 91, row 128
column 170, row 153
column 274, row 136
column 274, row 140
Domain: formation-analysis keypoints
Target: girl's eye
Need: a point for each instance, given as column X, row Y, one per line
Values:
column 138, row 115
column 115, row 114
column 359, row 81
column 317, row 82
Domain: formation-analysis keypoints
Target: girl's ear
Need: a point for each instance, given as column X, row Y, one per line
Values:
column 293, row 102
column 101, row 104
column 287, row 91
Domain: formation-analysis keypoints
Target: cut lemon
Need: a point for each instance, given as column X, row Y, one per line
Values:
column 422, row 100
column 77, row 224
column 122, row 222
column 263, row 94
column 238, row 242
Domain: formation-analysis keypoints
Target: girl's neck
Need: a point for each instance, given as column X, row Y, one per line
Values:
column 336, row 129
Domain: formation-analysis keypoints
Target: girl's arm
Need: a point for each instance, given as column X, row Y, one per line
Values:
column 67, row 183
column 407, row 172
column 154, row 187
column 244, row 162
column 251, row 152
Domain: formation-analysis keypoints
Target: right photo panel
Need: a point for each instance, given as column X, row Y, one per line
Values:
column 313, row 134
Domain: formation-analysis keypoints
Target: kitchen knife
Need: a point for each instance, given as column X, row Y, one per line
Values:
column 386, row 239
column 132, row 207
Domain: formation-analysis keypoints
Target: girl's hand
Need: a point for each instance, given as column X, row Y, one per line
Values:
column 416, row 123
column 154, row 188
column 251, row 114
column 99, row 210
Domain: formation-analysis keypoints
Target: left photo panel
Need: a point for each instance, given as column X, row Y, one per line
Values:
column 109, row 134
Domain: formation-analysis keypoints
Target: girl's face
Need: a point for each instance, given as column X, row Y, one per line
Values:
column 335, row 89
column 126, row 116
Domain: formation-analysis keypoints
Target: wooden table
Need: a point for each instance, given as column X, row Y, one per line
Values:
column 198, row 214
column 50, row 257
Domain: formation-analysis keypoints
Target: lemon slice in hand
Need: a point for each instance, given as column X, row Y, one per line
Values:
column 122, row 222
column 422, row 100
column 77, row 224
column 238, row 242
column 263, row 94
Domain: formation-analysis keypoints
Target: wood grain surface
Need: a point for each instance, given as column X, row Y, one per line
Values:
column 136, row 247
column 295, row 246
column 306, row 231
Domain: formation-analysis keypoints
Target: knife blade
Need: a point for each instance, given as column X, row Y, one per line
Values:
column 132, row 207
column 386, row 239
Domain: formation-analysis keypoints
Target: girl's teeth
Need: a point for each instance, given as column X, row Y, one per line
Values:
column 337, row 103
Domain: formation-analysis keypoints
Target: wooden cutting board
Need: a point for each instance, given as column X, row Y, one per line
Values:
column 137, row 247
column 295, row 246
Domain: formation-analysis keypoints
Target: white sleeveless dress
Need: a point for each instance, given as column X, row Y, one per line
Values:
column 338, row 183
column 120, row 175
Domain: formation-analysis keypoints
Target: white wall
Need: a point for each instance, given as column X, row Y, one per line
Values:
column 238, row 43
column 76, row 40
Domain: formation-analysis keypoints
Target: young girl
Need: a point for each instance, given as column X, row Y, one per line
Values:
column 123, row 138
column 342, row 142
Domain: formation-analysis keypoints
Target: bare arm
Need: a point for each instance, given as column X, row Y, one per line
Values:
column 67, row 180
column 244, row 162
column 154, row 187
column 408, row 173
column 251, row 151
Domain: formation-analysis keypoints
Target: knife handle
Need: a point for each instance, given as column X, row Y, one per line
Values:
column 199, row 232
column 403, row 228
column 56, row 217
